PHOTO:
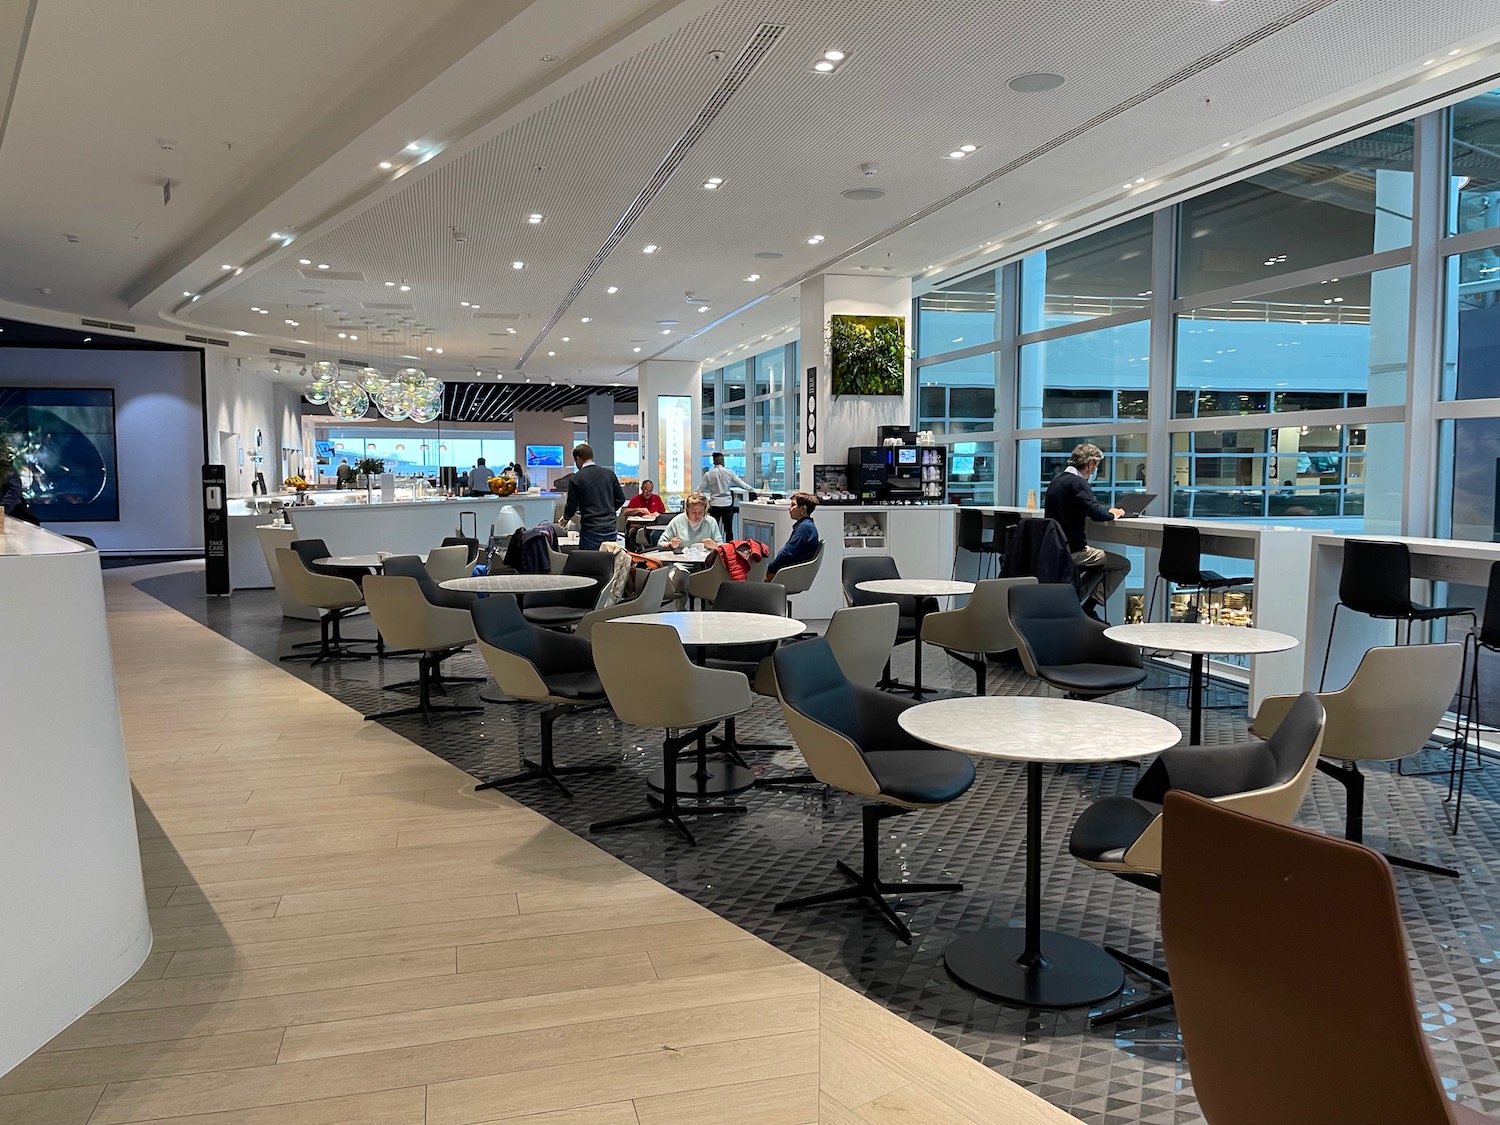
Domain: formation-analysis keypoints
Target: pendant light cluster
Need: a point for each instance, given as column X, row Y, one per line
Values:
column 408, row 395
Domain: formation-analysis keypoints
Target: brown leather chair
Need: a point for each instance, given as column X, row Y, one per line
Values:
column 1289, row 966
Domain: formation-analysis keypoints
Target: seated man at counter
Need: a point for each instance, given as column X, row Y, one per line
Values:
column 594, row 495
column 1070, row 501
column 803, row 542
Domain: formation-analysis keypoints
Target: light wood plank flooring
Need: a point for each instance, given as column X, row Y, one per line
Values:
column 347, row 935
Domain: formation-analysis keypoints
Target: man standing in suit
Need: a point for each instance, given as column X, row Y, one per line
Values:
column 594, row 493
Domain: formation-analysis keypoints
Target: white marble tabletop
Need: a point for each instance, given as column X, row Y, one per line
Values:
column 641, row 519
column 715, row 628
column 1196, row 637
column 1039, row 729
column 689, row 555
column 517, row 583
column 918, row 587
column 354, row 562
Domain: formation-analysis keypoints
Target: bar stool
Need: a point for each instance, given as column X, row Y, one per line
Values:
column 971, row 538
column 1181, row 564
column 1484, row 636
column 1376, row 580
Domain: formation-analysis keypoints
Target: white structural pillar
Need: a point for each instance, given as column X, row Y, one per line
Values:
column 671, row 430
column 849, row 419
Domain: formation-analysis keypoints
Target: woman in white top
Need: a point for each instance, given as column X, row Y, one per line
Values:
column 716, row 483
column 693, row 526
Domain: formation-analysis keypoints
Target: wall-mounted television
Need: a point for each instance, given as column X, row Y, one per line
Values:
column 67, row 451
column 544, row 456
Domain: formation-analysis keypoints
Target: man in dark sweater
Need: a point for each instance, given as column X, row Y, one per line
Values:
column 594, row 493
column 1070, row 501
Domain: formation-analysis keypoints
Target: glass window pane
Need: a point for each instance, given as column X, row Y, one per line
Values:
column 1100, row 275
column 1347, row 201
column 770, row 371
column 957, row 397
column 1038, row 460
column 1468, row 464
column 1471, row 360
column 1337, row 478
column 971, row 472
column 957, row 316
column 708, row 389
column 1342, row 342
column 1092, row 377
column 734, row 382
column 770, row 472
column 1475, row 172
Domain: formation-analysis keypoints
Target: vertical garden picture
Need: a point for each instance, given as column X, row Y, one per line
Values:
column 868, row 354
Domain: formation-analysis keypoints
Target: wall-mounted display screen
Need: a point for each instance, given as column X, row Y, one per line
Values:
column 906, row 456
column 544, row 456
column 64, row 439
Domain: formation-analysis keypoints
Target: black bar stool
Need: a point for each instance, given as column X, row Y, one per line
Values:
column 971, row 537
column 1376, row 580
column 1181, row 564
column 1485, row 636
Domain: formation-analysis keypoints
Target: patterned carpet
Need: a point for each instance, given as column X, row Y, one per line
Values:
column 1132, row 1072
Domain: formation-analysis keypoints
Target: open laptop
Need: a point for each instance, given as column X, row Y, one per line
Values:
column 1134, row 503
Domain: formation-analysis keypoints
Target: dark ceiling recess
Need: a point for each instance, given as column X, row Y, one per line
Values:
column 498, row 402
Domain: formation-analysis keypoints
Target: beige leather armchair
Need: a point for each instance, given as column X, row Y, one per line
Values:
column 980, row 626
column 406, row 619
column 336, row 596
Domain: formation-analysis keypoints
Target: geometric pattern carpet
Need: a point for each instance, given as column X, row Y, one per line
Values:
column 1130, row 1073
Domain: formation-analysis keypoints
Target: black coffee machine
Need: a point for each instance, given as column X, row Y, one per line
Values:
column 867, row 473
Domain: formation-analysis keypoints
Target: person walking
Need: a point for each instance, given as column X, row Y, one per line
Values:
column 716, row 484
column 595, row 495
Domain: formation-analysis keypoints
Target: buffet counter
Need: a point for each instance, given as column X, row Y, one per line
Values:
column 918, row 537
column 73, row 923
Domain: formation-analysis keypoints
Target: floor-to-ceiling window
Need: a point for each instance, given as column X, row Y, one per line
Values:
column 750, row 414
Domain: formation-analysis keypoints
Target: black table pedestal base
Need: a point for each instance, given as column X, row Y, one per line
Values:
column 1070, row 972
column 694, row 780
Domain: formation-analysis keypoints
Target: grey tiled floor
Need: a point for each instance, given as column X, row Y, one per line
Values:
column 1131, row 1072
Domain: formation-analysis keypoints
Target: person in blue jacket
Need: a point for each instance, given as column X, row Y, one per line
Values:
column 802, row 544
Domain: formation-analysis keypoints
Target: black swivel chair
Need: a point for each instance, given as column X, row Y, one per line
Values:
column 410, row 566
column 543, row 666
column 566, row 608
column 870, row 568
column 1123, row 835
column 311, row 550
column 1062, row 646
column 1376, row 580
column 1181, row 564
column 850, row 738
column 971, row 537
column 748, row 597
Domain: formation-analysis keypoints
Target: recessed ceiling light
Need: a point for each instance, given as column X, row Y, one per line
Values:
column 263, row 312
column 385, row 164
column 551, row 353
column 823, row 66
column 390, row 283
column 227, row 267
column 1037, row 83
column 613, row 289
column 343, row 335
column 567, row 339
column 968, row 148
column 512, row 331
column 1429, row 62
column 429, row 348
column 1140, row 179
column 533, row 218
column 255, row 308
column 1226, row 144
column 322, row 265
column 815, row 239
column 955, row 155
column 635, row 349
column 666, row 331
column 187, row 293
column 404, row 288
column 648, row 249
column 463, row 304
column 834, row 56
column 584, row 319
column 414, row 147
column 438, row 350
column 518, row 265
column 753, row 277
column 711, row 185
column 703, row 308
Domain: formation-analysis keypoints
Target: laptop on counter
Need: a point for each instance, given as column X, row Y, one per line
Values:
column 1134, row 503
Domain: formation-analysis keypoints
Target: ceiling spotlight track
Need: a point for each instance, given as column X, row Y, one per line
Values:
column 750, row 57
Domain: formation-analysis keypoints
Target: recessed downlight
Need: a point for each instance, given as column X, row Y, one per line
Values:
column 404, row 288
column 635, row 349
column 386, row 165
column 823, row 66
column 753, row 277
column 834, row 56
column 551, row 353
column 666, row 331
column 1037, row 83
column 829, row 61
column 815, row 239
column 414, row 146
column 533, row 218
column 649, row 248
column 518, row 265
column 703, row 308
column 613, row 289
column 584, row 319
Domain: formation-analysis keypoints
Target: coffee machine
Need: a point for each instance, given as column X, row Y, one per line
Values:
column 903, row 474
column 867, row 473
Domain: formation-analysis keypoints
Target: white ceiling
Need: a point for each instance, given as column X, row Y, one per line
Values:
column 281, row 111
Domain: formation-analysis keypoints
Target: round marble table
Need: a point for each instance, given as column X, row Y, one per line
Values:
column 518, row 583
column 1030, row 966
column 918, row 588
column 353, row 562
column 709, row 630
column 1199, row 640
column 688, row 557
column 514, row 584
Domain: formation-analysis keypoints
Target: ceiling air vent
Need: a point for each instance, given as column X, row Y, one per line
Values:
column 332, row 275
column 496, row 316
column 206, row 340
column 106, row 324
column 287, row 352
column 386, row 306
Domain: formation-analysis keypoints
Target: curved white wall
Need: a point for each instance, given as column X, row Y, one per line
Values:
column 73, row 924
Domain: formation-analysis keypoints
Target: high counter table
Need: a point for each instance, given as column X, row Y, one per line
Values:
column 1281, row 563
column 73, row 922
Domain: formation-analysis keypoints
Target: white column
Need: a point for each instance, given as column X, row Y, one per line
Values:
column 849, row 419
column 657, row 379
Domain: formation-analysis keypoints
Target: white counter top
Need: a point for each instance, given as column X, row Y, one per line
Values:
column 73, row 922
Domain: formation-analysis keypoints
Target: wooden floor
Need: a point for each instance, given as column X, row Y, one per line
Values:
column 347, row 935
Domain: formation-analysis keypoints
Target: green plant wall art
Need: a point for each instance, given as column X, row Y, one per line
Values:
column 868, row 354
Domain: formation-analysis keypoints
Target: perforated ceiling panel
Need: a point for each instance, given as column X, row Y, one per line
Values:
column 1148, row 81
